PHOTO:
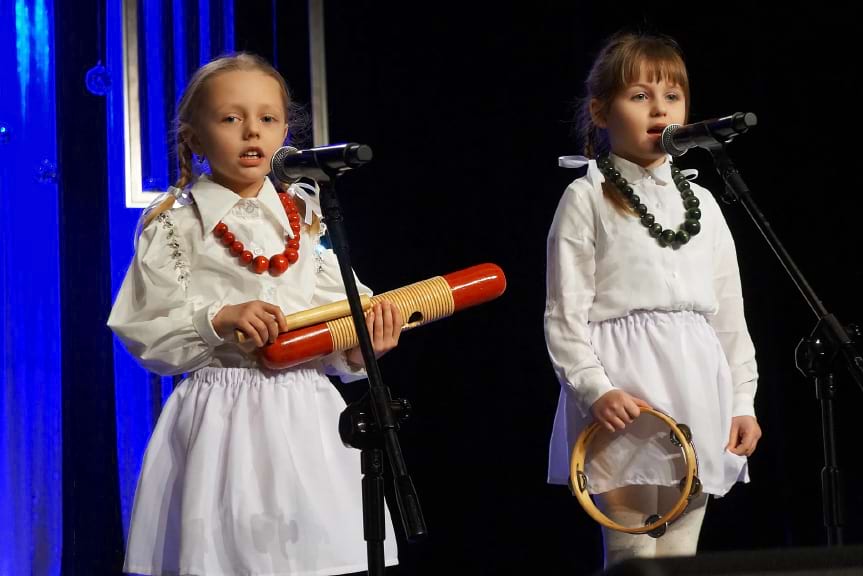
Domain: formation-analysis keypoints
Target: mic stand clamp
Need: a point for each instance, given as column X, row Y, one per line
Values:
column 814, row 358
column 358, row 428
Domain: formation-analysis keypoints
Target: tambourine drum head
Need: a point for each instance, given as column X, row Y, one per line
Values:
column 646, row 452
column 643, row 453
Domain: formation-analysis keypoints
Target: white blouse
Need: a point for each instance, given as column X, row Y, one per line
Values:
column 182, row 275
column 603, row 265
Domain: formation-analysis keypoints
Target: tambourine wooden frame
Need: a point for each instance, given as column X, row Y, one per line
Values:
column 578, row 478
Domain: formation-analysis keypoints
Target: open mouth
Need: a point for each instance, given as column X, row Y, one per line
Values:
column 252, row 153
column 656, row 129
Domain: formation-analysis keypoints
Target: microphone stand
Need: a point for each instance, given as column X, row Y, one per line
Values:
column 370, row 424
column 814, row 354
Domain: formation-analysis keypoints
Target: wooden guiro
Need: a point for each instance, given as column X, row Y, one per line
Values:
column 419, row 303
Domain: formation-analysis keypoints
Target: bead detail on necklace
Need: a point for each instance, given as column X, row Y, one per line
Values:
column 277, row 263
column 665, row 236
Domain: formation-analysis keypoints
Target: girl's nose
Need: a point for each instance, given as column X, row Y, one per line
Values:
column 252, row 129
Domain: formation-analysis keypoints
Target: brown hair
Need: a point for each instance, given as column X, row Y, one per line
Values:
column 619, row 63
column 190, row 104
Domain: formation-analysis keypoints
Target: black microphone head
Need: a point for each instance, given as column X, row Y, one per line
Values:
column 362, row 154
column 666, row 141
column 743, row 121
column 277, row 164
column 348, row 155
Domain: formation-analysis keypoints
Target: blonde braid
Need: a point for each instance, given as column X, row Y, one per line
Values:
column 187, row 169
column 187, row 174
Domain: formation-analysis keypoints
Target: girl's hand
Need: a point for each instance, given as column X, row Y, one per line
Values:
column 745, row 433
column 615, row 409
column 260, row 321
column 384, row 322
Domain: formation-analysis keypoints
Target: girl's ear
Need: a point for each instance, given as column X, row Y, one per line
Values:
column 597, row 113
column 285, row 135
column 193, row 143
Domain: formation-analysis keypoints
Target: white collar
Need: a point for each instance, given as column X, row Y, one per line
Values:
column 629, row 170
column 633, row 172
column 215, row 201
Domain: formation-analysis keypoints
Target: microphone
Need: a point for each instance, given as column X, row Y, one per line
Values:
column 289, row 164
column 677, row 139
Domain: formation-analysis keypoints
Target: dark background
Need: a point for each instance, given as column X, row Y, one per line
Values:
column 467, row 109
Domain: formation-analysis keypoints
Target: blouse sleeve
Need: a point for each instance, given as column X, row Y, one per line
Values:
column 570, row 289
column 166, row 331
column 730, row 324
column 329, row 287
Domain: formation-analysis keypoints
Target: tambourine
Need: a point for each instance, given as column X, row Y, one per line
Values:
column 656, row 524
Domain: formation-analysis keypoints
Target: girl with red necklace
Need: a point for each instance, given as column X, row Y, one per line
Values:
column 245, row 472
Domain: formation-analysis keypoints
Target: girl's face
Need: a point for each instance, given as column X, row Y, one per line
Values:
column 239, row 127
column 636, row 116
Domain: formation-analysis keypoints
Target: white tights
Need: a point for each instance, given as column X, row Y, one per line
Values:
column 631, row 505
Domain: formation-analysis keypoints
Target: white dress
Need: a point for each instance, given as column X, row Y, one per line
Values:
column 245, row 472
column 664, row 324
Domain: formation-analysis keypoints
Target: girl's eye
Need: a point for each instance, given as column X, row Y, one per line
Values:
column 230, row 119
column 269, row 118
column 641, row 96
column 674, row 97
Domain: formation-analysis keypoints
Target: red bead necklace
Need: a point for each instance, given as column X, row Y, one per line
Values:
column 277, row 263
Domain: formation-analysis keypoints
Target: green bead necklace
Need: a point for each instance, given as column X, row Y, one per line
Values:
column 665, row 236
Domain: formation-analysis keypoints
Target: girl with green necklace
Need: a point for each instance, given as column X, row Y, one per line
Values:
column 644, row 305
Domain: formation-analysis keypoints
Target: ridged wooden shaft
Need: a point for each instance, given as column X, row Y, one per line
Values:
column 419, row 303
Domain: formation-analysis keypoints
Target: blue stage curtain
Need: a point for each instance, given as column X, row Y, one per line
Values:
column 30, row 402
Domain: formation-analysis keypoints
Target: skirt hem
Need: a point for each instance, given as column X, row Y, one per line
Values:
column 150, row 571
